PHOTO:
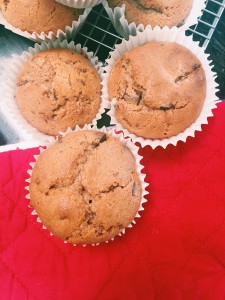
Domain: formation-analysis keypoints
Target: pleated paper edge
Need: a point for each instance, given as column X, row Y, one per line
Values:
column 69, row 32
column 125, row 29
column 139, row 167
column 10, row 109
column 166, row 35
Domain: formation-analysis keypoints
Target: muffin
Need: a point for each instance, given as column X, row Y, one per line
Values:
column 57, row 89
column 155, row 12
column 159, row 88
column 85, row 187
column 38, row 15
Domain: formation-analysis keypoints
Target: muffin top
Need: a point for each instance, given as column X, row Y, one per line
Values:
column 38, row 15
column 155, row 12
column 159, row 87
column 57, row 89
column 85, row 187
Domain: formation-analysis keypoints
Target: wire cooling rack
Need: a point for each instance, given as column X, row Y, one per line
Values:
column 203, row 31
column 99, row 35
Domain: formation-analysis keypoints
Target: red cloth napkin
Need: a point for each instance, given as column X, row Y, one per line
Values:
column 175, row 251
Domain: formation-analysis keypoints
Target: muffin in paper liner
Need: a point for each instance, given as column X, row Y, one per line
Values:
column 69, row 33
column 12, row 67
column 134, row 150
column 165, row 35
column 119, row 21
column 80, row 3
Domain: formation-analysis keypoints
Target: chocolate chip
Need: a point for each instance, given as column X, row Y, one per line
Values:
column 102, row 139
column 95, row 144
column 89, row 217
column 22, row 82
column 90, row 201
column 165, row 108
column 134, row 188
column 182, row 77
column 53, row 186
column 54, row 95
column 139, row 96
column 195, row 67
column 6, row 2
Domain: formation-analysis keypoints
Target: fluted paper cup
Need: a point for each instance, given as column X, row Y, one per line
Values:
column 164, row 35
column 68, row 33
column 11, row 69
column 134, row 150
column 125, row 29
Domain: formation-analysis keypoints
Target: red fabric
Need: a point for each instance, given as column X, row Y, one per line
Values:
column 175, row 251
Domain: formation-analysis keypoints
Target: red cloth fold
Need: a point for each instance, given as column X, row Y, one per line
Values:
column 175, row 251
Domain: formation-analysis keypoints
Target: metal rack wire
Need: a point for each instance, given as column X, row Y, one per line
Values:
column 203, row 31
column 99, row 35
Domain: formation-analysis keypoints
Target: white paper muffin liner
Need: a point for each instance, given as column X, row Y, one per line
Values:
column 12, row 67
column 80, row 3
column 117, row 17
column 165, row 35
column 133, row 148
column 69, row 32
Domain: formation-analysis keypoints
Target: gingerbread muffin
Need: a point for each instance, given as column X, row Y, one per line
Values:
column 38, row 15
column 85, row 188
column 159, row 89
column 155, row 12
column 57, row 89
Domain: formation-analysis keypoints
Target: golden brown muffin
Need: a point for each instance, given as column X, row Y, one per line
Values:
column 38, row 15
column 155, row 12
column 160, row 89
column 57, row 89
column 85, row 188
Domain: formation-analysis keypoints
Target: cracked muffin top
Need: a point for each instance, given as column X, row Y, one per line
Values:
column 38, row 15
column 85, row 188
column 155, row 12
column 159, row 89
column 57, row 89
